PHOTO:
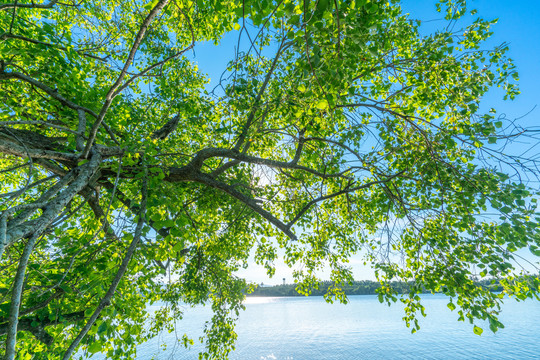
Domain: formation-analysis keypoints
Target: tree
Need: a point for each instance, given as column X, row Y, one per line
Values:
column 338, row 128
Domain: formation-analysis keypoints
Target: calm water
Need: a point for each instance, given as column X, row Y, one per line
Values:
column 309, row 328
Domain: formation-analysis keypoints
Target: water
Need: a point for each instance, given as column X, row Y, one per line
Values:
column 308, row 328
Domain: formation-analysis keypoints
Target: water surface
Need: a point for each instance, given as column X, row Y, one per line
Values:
column 308, row 328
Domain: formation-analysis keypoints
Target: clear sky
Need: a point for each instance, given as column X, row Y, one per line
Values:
column 518, row 25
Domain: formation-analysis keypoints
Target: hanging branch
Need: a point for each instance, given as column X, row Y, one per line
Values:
column 120, row 273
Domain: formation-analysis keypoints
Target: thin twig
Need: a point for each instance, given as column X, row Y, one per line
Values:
column 113, row 90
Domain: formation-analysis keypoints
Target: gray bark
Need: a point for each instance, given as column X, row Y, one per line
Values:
column 35, row 229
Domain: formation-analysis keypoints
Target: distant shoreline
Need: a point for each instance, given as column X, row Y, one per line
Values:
column 365, row 287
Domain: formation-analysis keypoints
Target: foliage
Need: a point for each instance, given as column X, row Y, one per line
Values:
column 338, row 128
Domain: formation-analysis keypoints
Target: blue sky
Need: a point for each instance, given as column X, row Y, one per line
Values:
column 518, row 25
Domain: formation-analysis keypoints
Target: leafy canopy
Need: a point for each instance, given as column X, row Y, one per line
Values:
column 338, row 128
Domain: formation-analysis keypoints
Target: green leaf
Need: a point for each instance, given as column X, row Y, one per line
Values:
column 151, row 5
column 94, row 347
column 322, row 104
column 322, row 5
column 178, row 246
column 478, row 331
column 506, row 209
column 102, row 328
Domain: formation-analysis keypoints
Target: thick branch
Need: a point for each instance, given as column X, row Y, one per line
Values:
column 250, row 202
column 299, row 148
column 51, row 167
column 8, row 147
column 81, row 128
column 6, row 237
column 27, row 209
column 36, row 229
column 83, row 175
column 3, row 234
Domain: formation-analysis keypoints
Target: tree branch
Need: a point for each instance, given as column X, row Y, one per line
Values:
column 121, row 271
column 347, row 190
column 82, row 174
column 55, row 95
column 50, row 91
column 37, row 122
column 81, row 128
column 208, row 153
column 48, row 5
column 16, row 294
column 257, row 101
column 37, row 42
column 112, row 91
column 20, row 191
column 11, row 148
column 29, row 324
column 250, row 202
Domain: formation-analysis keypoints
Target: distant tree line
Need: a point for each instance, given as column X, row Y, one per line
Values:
column 365, row 287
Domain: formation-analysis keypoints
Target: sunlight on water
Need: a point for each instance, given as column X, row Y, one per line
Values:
column 301, row 328
column 260, row 300
column 269, row 357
